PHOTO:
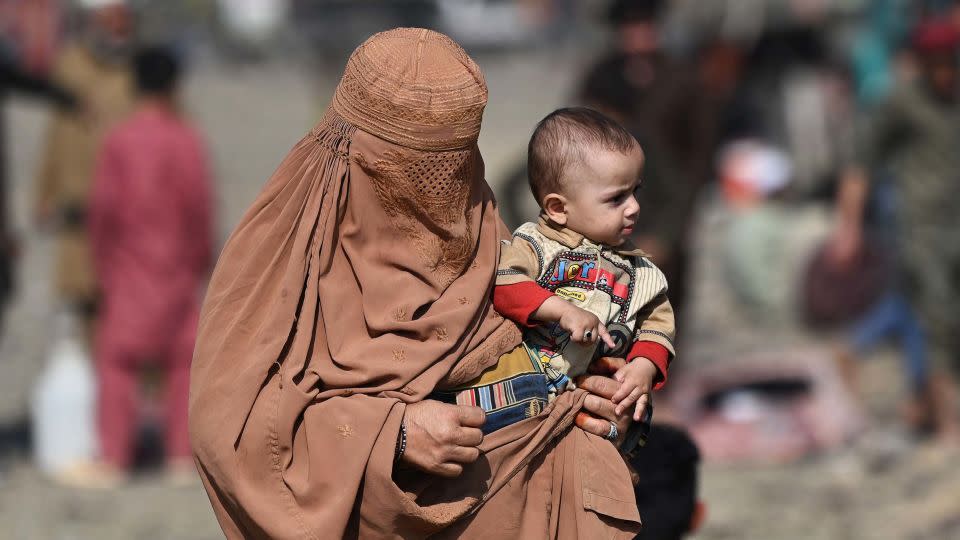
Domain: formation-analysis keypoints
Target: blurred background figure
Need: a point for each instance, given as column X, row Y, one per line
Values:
column 756, row 248
column 95, row 68
column 913, row 137
column 657, row 97
column 33, row 29
column 16, row 78
column 150, row 226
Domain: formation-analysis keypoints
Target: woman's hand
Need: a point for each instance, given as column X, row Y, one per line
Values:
column 441, row 438
column 600, row 409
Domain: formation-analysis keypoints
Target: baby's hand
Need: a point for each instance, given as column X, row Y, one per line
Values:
column 636, row 379
column 584, row 327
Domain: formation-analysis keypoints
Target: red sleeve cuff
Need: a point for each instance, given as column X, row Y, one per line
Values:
column 518, row 301
column 656, row 353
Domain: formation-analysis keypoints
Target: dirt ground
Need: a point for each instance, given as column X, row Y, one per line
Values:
column 883, row 487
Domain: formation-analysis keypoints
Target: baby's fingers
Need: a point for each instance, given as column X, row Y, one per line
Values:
column 606, row 337
column 621, row 397
column 631, row 398
column 641, row 406
column 576, row 334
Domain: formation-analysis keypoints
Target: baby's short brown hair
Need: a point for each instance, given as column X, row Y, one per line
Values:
column 562, row 138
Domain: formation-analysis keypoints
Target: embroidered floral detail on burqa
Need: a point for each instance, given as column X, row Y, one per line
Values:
column 425, row 194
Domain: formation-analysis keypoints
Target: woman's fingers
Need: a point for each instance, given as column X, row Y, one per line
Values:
column 462, row 454
column 449, row 470
column 469, row 437
column 598, row 406
column 590, row 424
column 606, row 365
column 599, row 385
column 441, row 437
column 600, row 426
column 600, row 411
column 471, row 416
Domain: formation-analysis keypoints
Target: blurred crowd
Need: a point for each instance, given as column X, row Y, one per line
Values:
column 801, row 157
column 124, row 187
column 797, row 193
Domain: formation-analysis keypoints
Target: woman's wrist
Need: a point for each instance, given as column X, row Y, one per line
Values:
column 401, row 443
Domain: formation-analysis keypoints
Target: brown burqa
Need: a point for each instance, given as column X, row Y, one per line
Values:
column 359, row 282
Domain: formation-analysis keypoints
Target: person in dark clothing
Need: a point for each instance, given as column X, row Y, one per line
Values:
column 667, row 488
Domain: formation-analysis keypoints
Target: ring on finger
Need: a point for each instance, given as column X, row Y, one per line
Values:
column 613, row 434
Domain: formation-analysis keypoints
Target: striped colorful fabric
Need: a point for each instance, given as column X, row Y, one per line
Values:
column 513, row 390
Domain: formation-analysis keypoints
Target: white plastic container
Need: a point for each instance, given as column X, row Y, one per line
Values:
column 63, row 401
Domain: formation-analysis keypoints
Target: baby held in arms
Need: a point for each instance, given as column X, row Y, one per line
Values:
column 573, row 280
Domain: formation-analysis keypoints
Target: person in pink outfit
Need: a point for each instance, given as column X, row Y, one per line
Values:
column 150, row 225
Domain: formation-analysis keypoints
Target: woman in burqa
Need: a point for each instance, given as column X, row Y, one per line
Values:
column 356, row 286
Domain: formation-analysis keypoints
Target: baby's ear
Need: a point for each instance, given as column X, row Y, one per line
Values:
column 555, row 206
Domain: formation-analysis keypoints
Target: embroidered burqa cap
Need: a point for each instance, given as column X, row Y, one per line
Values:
column 359, row 281
column 413, row 87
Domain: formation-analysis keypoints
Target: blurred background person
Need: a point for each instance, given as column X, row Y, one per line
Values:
column 757, row 243
column 15, row 78
column 914, row 137
column 657, row 97
column 95, row 68
column 150, row 224
column 34, row 27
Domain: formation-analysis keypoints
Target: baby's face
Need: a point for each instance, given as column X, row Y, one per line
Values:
column 600, row 195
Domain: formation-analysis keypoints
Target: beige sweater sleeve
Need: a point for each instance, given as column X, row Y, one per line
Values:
column 519, row 262
column 655, row 322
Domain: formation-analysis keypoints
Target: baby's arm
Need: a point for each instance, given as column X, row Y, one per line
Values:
column 584, row 327
column 654, row 336
column 649, row 357
column 518, row 297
